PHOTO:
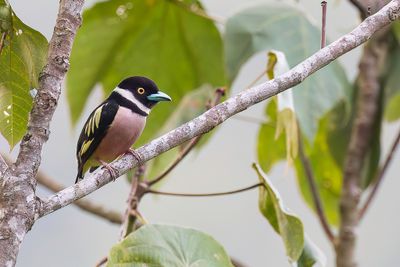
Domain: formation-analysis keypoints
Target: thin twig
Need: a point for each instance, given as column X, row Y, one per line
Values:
column 323, row 31
column 250, row 119
column 101, row 262
column 380, row 176
column 314, row 191
column 83, row 204
column 254, row 82
column 219, row 93
column 135, row 194
column 237, row 263
column 205, row 194
column 309, row 173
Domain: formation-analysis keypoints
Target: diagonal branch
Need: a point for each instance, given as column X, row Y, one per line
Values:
column 314, row 191
column 220, row 92
column 380, row 176
column 217, row 115
column 83, row 204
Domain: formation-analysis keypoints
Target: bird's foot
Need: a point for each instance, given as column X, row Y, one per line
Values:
column 113, row 172
column 135, row 155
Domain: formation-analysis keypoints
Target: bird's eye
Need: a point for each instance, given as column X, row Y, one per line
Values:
column 140, row 91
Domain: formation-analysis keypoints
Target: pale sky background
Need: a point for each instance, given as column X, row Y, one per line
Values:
column 71, row 237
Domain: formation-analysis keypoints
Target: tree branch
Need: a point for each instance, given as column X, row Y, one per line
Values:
column 18, row 202
column 85, row 205
column 314, row 191
column 366, row 113
column 217, row 115
column 380, row 176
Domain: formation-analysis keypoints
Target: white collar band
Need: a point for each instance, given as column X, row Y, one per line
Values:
column 129, row 96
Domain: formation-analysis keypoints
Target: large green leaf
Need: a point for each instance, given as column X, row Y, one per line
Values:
column 159, row 39
column 301, row 251
column 21, row 60
column 286, row 29
column 285, row 223
column 161, row 245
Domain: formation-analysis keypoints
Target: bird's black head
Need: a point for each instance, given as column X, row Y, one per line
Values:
column 143, row 90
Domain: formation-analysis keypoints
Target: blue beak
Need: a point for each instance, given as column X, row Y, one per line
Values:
column 160, row 96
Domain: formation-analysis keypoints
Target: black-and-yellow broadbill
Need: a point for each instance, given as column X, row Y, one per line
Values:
column 114, row 126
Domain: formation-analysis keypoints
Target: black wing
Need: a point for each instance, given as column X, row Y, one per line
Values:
column 93, row 132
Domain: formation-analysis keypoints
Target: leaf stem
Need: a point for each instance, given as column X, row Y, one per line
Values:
column 314, row 191
column 206, row 194
column 380, row 176
column 2, row 39
column 250, row 119
column 220, row 92
column 259, row 77
column 101, row 262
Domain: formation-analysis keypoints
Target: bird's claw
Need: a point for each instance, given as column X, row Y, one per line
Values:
column 113, row 172
column 135, row 155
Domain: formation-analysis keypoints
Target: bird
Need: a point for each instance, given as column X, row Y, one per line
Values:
column 114, row 125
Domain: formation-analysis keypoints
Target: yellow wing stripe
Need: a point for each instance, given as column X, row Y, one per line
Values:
column 93, row 122
column 85, row 146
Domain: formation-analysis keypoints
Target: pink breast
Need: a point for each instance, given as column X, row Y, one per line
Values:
column 123, row 132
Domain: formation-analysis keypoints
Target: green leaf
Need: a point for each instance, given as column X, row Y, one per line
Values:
column 159, row 39
column 286, row 118
column 311, row 255
column 287, row 29
column 285, row 223
column 392, row 87
column 161, row 245
column 270, row 150
column 21, row 60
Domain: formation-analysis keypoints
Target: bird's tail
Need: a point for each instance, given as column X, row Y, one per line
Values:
column 79, row 176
